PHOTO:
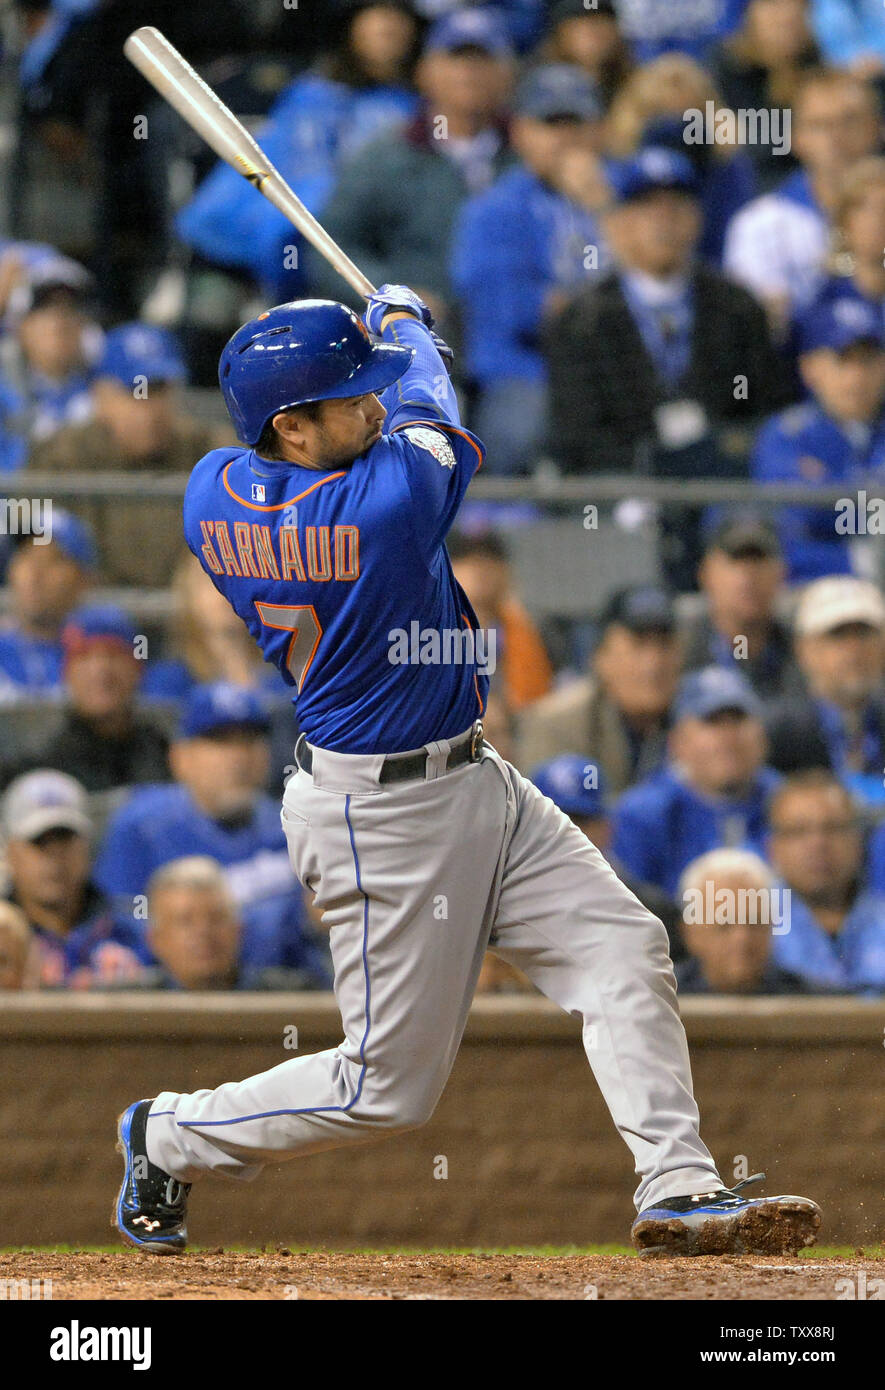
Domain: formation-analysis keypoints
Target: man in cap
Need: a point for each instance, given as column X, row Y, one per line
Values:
column 618, row 713
column 215, row 806
column 47, row 577
column 102, row 740
column 643, row 364
column 48, row 357
column 139, row 424
column 521, row 248
column 712, row 792
column 836, row 437
column 741, row 577
column 394, row 206
column 78, row 940
column 839, row 721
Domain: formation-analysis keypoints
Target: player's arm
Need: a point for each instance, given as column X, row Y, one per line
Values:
column 424, row 391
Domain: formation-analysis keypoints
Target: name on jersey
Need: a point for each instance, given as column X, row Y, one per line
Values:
column 248, row 549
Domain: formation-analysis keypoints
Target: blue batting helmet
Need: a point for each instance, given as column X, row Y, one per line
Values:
column 309, row 350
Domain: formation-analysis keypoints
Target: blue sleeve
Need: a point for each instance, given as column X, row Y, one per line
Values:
column 425, row 389
column 121, row 867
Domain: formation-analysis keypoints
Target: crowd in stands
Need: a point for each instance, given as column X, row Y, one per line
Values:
column 624, row 295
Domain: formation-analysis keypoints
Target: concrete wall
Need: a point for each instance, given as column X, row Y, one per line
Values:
column 794, row 1085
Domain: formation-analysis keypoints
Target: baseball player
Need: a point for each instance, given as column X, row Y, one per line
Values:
column 326, row 533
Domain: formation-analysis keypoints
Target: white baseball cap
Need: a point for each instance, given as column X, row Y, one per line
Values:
column 836, row 600
column 41, row 801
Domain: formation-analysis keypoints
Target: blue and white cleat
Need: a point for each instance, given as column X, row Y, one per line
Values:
column 722, row 1222
column 151, row 1207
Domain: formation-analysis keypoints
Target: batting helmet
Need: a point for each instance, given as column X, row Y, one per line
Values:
column 309, row 350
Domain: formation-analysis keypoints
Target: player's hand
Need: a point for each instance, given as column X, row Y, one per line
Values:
column 388, row 299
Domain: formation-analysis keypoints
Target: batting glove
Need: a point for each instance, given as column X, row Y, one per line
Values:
column 390, row 298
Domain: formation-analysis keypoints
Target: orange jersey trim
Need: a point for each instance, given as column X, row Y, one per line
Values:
column 277, row 506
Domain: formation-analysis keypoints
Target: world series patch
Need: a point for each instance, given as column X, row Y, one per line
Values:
column 434, row 442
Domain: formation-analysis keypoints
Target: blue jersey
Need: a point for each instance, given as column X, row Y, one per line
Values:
column 343, row 577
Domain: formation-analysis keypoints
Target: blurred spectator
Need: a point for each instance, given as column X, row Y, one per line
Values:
column 836, row 937
column 653, row 108
column 712, row 793
column 195, row 932
column 88, row 106
column 580, row 790
column 520, row 248
column 15, row 948
column 618, row 714
column 77, row 939
column 840, row 722
column 778, row 244
column 837, row 437
column 644, row 365
column 860, row 236
column 851, row 34
column 45, row 581
column 394, row 206
column 482, row 568
column 742, row 577
column 730, row 937
column 589, row 36
column 690, row 26
column 102, row 740
column 215, row 807
column 140, row 424
column 321, row 119
column 48, row 358
column 758, row 68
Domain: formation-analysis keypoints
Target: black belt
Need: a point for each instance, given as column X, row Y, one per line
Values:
column 405, row 767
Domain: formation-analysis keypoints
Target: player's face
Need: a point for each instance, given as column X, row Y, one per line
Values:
column 343, row 431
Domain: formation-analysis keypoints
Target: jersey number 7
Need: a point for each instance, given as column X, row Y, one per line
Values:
column 306, row 632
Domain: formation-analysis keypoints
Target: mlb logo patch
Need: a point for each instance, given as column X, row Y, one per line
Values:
column 259, row 492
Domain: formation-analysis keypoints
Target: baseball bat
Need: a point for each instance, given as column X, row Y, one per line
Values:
column 175, row 79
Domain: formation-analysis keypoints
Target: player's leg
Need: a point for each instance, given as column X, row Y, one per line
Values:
column 568, row 922
column 407, row 878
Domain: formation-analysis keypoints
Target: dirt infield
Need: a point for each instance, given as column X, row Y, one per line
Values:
column 282, row 1274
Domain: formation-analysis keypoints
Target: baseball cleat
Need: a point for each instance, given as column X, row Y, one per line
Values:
column 151, row 1207
column 722, row 1222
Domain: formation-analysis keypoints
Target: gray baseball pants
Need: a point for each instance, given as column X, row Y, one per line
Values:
column 414, row 878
